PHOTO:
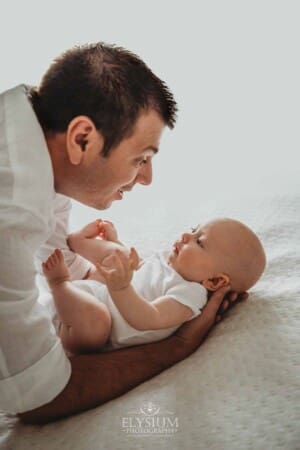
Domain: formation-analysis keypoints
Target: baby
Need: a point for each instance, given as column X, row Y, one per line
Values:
column 131, row 301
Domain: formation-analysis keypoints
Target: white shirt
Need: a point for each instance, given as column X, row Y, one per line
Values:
column 33, row 221
column 155, row 278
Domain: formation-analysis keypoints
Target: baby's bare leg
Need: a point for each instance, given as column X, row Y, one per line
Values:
column 92, row 249
column 91, row 230
column 86, row 322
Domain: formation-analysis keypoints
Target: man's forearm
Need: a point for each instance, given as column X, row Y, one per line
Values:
column 99, row 378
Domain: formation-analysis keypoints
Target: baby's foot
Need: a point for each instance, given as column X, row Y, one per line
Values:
column 55, row 269
column 91, row 230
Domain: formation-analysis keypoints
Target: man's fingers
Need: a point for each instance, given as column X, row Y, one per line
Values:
column 218, row 296
column 232, row 296
column 213, row 305
column 230, row 300
column 224, row 305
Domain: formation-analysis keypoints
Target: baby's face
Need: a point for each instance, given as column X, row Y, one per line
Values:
column 198, row 254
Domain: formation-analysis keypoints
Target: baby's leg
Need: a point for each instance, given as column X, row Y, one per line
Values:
column 91, row 230
column 84, row 243
column 86, row 322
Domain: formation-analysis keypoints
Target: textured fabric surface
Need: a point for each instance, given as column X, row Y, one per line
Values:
column 240, row 390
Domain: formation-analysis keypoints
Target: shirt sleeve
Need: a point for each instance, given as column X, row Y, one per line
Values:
column 77, row 265
column 190, row 294
column 33, row 366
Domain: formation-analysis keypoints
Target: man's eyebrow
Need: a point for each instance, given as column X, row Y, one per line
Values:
column 151, row 147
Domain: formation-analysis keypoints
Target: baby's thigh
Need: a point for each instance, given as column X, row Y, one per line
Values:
column 91, row 334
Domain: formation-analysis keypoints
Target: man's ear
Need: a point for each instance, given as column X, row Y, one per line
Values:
column 212, row 284
column 81, row 133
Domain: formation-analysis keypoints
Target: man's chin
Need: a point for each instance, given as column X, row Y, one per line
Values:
column 96, row 205
column 102, row 206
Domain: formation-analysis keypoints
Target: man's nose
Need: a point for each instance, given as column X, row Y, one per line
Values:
column 144, row 175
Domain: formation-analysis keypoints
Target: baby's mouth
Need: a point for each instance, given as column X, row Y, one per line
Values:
column 176, row 248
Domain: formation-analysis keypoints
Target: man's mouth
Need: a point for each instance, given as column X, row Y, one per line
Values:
column 122, row 191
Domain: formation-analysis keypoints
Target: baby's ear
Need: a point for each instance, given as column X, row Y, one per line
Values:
column 212, row 284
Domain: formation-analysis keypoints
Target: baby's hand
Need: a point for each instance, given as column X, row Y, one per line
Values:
column 107, row 230
column 117, row 269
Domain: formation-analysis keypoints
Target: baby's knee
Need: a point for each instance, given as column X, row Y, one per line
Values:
column 101, row 323
column 91, row 335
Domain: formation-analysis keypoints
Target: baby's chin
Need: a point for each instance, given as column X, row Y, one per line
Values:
column 170, row 259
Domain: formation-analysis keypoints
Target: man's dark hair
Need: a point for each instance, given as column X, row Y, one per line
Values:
column 108, row 84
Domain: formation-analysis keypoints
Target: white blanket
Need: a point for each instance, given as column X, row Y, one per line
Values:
column 240, row 390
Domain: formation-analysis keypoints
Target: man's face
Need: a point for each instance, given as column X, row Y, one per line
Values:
column 105, row 179
column 198, row 255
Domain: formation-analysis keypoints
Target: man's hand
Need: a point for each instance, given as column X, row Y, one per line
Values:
column 99, row 378
column 192, row 333
column 117, row 269
column 230, row 300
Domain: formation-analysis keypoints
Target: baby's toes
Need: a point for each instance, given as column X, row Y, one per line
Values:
column 52, row 261
column 58, row 255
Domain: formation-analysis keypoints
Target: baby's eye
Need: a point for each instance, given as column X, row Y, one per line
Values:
column 200, row 242
column 193, row 229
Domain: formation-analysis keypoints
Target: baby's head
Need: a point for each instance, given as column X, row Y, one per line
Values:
column 221, row 252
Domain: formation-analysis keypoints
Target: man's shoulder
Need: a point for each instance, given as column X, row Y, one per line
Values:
column 15, row 91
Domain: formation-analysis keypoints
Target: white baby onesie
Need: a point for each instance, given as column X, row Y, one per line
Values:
column 154, row 279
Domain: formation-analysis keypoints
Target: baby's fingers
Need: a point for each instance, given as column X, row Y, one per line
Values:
column 101, row 228
column 123, row 259
column 134, row 259
column 104, row 271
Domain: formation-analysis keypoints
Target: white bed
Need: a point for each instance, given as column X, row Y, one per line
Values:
column 240, row 390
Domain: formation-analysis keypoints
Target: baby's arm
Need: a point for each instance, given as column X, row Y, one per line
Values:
column 96, row 241
column 164, row 312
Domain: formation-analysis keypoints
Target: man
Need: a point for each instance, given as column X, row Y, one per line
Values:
column 89, row 132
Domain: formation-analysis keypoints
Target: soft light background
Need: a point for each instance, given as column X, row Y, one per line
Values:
column 233, row 67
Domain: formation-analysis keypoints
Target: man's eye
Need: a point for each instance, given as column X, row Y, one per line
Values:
column 141, row 162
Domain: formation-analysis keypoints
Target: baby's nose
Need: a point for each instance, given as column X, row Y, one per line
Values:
column 185, row 237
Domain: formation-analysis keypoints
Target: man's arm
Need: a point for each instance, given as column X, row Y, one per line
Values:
column 28, row 343
column 77, row 265
column 99, row 378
